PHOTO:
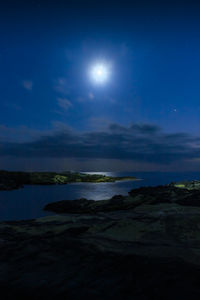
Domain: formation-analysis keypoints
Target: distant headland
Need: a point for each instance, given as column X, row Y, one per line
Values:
column 14, row 180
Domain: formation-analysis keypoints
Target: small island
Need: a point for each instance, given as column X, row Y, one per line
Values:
column 15, row 180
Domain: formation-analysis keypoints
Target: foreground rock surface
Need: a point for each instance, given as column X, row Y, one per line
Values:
column 146, row 246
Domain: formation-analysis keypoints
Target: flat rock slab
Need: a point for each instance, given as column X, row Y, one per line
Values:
column 138, row 254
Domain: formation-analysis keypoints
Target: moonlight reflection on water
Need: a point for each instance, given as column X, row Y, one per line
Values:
column 28, row 202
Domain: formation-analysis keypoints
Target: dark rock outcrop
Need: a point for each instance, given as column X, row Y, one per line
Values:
column 144, row 195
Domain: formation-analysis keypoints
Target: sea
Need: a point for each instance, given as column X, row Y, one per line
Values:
column 28, row 202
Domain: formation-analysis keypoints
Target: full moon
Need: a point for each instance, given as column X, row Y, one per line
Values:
column 100, row 73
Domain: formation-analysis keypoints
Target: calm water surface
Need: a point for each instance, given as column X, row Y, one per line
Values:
column 28, row 202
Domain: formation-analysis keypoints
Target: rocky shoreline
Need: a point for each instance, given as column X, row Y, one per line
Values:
column 142, row 246
column 182, row 193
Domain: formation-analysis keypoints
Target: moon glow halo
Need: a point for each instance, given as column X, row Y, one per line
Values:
column 100, row 73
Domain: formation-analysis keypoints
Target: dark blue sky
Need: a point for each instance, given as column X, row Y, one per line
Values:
column 47, row 97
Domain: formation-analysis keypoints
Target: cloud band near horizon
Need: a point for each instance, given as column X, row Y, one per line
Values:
column 144, row 143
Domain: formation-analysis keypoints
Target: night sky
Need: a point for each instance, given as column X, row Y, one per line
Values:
column 145, row 117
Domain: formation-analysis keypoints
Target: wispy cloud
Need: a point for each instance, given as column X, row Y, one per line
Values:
column 98, row 123
column 27, row 84
column 91, row 96
column 64, row 103
column 62, row 86
column 19, row 134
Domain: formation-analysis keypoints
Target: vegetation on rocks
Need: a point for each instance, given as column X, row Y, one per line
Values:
column 189, row 185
